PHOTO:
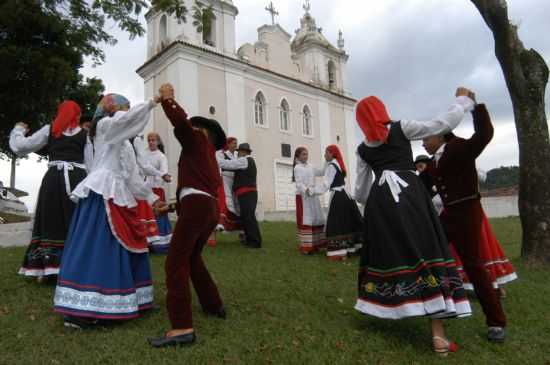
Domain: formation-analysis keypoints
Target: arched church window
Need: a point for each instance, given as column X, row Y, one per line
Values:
column 285, row 116
column 163, row 31
column 260, row 109
column 331, row 74
column 307, row 127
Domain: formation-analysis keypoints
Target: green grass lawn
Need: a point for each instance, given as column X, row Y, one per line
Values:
column 283, row 308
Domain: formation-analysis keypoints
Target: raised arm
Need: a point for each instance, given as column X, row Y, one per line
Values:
column 483, row 132
column 125, row 125
column 363, row 182
column 442, row 124
column 21, row 145
column 240, row 163
column 178, row 117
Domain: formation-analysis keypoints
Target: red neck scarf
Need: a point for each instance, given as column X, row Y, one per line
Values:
column 67, row 117
column 335, row 151
column 372, row 118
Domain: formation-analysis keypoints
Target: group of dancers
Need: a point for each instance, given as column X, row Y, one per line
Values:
column 104, row 189
column 424, row 233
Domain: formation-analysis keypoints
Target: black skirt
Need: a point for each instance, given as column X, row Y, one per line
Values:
column 406, row 268
column 52, row 218
column 344, row 225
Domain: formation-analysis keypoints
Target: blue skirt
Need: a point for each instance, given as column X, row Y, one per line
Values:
column 98, row 277
column 165, row 235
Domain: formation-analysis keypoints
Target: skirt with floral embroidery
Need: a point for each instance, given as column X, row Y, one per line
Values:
column 406, row 267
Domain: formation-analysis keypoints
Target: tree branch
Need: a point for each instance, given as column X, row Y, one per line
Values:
column 508, row 46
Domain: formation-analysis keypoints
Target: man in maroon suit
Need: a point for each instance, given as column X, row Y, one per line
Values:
column 453, row 170
column 198, row 213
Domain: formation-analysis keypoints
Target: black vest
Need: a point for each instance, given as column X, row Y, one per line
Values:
column 65, row 148
column 394, row 155
column 246, row 178
column 339, row 179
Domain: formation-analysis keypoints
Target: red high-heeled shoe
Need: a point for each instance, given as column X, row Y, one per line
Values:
column 448, row 347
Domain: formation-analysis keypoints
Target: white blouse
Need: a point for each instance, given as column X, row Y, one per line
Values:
column 413, row 130
column 304, row 176
column 115, row 174
column 153, row 164
column 233, row 164
column 22, row 145
column 328, row 179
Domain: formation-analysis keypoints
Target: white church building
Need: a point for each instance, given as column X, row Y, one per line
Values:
column 282, row 92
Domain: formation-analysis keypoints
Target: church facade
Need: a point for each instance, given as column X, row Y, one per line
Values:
column 280, row 93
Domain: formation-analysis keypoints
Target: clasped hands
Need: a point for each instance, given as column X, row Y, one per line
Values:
column 160, row 207
column 166, row 91
column 462, row 91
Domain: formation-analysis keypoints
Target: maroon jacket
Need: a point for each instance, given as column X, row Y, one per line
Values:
column 197, row 166
column 455, row 175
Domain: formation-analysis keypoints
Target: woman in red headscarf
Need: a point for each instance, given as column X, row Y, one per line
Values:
column 68, row 149
column 406, row 269
column 344, row 227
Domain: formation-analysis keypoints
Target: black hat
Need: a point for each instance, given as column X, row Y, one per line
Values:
column 212, row 127
column 422, row 158
column 244, row 147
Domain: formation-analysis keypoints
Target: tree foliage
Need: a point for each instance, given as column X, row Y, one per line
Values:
column 502, row 177
column 37, row 60
column 202, row 18
column 43, row 45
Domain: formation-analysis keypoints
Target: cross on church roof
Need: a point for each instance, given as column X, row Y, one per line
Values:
column 271, row 9
column 307, row 6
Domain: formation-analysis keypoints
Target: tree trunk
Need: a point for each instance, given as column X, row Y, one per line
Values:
column 12, row 173
column 526, row 76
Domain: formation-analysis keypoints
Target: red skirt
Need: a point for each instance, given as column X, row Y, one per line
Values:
column 148, row 220
column 228, row 220
column 498, row 266
column 127, row 225
column 311, row 238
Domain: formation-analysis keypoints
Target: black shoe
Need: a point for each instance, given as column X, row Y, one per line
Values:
column 181, row 340
column 80, row 323
column 496, row 334
column 221, row 313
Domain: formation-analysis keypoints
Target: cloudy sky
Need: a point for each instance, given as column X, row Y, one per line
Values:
column 411, row 53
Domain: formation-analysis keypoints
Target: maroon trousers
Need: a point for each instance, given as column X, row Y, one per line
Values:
column 462, row 224
column 197, row 220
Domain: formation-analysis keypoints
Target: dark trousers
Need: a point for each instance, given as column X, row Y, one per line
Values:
column 198, row 218
column 462, row 224
column 247, row 203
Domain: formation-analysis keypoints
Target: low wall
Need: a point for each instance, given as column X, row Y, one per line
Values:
column 495, row 207
column 501, row 206
column 15, row 234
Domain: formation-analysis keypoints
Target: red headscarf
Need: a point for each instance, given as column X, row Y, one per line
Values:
column 228, row 141
column 67, row 116
column 335, row 151
column 372, row 118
